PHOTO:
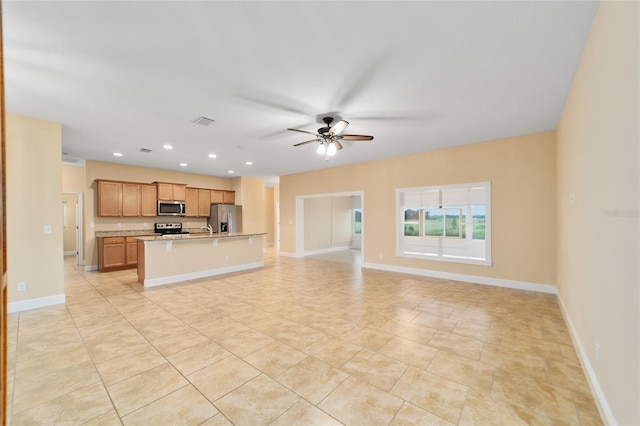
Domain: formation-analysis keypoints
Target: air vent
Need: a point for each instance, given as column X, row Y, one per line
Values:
column 145, row 150
column 65, row 153
column 203, row 121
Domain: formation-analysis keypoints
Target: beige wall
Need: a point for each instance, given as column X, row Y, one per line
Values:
column 327, row 222
column 73, row 178
column 599, row 232
column 522, row 172
column 34, row 199
column 269, row 215
column 250, row 193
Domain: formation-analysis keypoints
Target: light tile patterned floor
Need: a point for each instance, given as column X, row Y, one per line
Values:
column 299, row 342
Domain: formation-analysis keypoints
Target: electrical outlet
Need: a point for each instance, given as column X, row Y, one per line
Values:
column 597, row 352
column 22, row 286
column 226, row 258
column 47, row 229
column 119, row 224
column 380, row 256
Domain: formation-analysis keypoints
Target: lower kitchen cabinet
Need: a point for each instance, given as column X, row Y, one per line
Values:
column 115, row 253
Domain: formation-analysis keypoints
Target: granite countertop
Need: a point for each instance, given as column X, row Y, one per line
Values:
column 144, row 232
column 198, row 236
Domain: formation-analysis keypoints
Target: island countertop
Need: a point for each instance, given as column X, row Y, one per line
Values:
column 198, row 236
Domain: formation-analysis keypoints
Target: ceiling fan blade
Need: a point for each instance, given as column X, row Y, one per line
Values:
column 357, row 137
column 306, row 142
column 339, row 127
column 304, row 131
column 338, row 145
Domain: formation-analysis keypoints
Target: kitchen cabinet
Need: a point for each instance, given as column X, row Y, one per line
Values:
column 131, row 251
column 204, row 202
column 130, row 200
column 191, row 202
column 148, row 200
column 111, row 253
column 229, row 197
column 109, row 198
column 217, row 197
column 171, row 191
column 115, row 253
column 126, row 199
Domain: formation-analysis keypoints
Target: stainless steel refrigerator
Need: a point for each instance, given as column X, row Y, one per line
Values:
column 225, row 218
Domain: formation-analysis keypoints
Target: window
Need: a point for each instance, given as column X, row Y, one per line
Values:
column 450, row 223
column 357, row 221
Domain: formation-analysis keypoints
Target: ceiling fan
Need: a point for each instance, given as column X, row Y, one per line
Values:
column 329, row 137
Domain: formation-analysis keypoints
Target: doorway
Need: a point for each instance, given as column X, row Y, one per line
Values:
column 72, row 225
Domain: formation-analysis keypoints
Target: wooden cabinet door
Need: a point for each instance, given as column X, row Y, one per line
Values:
column 165, row 191
column 217, row 197
column 191, row 201
column 131, row 251
column 204, row 202
column 109, row 199
column 113, row 254
column 130, row 200
column 229, row 197
column 149, row 200
column 179, row 192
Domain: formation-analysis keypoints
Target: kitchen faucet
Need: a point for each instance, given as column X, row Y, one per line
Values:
column 209, row 228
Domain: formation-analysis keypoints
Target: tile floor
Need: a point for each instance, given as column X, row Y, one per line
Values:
column 313, row 341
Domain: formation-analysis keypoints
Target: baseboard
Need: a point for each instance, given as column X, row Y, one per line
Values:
column 592, row 379
column 326, row 250
column 40, row 302
column 153, row 282
column 287, row 254
column 70, row 253
column 89, row 268
column 497, row 282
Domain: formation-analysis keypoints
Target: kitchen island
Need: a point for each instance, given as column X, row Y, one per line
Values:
column 173, row 258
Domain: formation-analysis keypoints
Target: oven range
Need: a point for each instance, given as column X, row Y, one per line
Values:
column 169, row 228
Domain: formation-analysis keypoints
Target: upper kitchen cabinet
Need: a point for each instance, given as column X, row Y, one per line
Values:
column 217, row 197
column 126, row 199
column 191, row 202
column 229, row 197
column 148, row 200
column 204, row 202
column 172, row 191
column 109, row 198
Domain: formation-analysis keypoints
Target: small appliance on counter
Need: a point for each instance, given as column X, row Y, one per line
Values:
column 169, row 228
column 225, row 218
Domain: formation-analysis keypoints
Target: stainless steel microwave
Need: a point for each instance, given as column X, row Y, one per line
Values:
column 171, row 208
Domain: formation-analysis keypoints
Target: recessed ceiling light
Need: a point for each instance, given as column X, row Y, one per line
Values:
column 167, row 146
column 183, row 164
column 249, row 163
column 212, row 156
column 117, row 154
column 231, row 172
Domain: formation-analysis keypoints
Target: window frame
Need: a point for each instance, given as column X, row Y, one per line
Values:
column 401, row 239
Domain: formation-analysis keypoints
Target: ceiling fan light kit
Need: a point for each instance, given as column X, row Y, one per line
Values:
column 329, row 137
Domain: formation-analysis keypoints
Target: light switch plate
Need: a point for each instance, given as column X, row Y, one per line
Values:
column 47, row 229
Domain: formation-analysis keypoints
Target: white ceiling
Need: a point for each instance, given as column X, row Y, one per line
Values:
column 417, row 75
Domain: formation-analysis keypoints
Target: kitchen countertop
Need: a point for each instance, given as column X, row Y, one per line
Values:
column 143, row 232
column 198, row 236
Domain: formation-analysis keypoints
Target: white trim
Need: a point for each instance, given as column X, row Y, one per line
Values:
column 476, row 279
column 89, row 268
column 326, row 250
column 40, row 302
column 592, row 379
column 70, row 253
column 153, row 282
column 287, row 254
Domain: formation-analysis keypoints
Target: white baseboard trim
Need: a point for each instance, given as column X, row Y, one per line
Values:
column 70, row 253
column 89, row 268
column 476, row 279
column 326, row 250
column 287, row 254
column 153, row 282
column 592, row 379
column 40, row 302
